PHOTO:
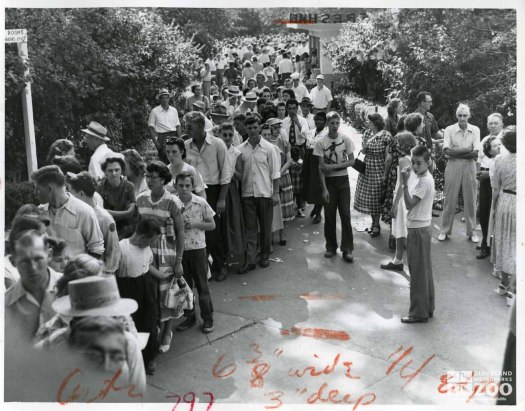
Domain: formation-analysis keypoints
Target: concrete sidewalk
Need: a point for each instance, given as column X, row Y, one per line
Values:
column 297, row 331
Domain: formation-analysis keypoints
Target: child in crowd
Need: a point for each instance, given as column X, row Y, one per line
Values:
column 398, row 212
column 136, row 280
column 296, row 169
column 418, row 193
column 198, row 218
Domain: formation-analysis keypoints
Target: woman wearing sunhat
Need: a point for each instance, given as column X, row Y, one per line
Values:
column 196, row 89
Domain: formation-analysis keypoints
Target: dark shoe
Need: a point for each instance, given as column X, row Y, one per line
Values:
column 245, row 268
column 434, row 214
column 392, row 266
column 151, row 366
column 431, row 314
column 392, row 242
column 313, row 212
column 329, row 253
column 478, row 247
column 376, row 231
column 265, row 262
column 348, row 257
column 484, row 253
column 282, row 242
column 299, row 214
column 317, row 219
column 221, row 276
column 413, row 320
column 186, row 324
column 207, row 327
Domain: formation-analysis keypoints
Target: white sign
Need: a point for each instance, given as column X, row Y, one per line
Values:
column 16, row 36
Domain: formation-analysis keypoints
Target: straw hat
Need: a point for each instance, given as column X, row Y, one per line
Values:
column 250, row 97
column 163, row 92
column 97, row 130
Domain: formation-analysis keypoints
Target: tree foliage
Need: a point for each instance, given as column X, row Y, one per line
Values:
column 458, row 55
column 91, row 64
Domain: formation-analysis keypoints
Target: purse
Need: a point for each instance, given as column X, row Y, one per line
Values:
column 179, row 297
column 359, row 164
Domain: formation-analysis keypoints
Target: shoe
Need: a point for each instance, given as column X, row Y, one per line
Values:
column 435, row 214
column 207, row 327
column 474, row 238
column 317, row 219
column 413, row 320
column 221, row 275
column 151, row 366
column 502, row 290
column 348, row 257
column 496, row 274
column 313, row 212
column 392, row 242
column 478, row 247
column 431, row 314
column 375, row 233
column 282, row 243
column 442, row 237
column 166, row 347
column 186, row 324
column 329, row 253
column 463, row 219
column 484, row 253
column 510, row 298
column 299, row 214
column 393, row 266
column 265, row 262
column 245, row 268
column 437, row 207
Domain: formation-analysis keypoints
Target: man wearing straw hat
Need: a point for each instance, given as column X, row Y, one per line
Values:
column 249, row 101
column 232, row 103
column 96, row 139
column 163, row 123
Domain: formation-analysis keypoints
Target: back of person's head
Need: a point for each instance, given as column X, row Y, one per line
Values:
column 392, row 106
column 509, row 139
column 59, row 148
column 67, row 164
column 239, row 117
column 49, row 175
column 148, row 228
column 81, row 266
column 161, row 169
column 421, row 151
column 405, row 141
column 487, row 146
column 135, row 162
column 377, row 120
column 31, row 210
column 195, row 117
column 401, row 123
column 413, row 121
column 22, row 225
column 261, row 101
column 320, row 115
column 84, row 181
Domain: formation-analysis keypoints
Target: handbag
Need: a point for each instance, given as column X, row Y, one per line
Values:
column 179, row 297
column 359, row 164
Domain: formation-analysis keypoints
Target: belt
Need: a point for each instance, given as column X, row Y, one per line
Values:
column 509, row 192
column 167, row 132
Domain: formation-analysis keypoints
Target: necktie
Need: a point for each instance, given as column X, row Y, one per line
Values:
column 291, row 134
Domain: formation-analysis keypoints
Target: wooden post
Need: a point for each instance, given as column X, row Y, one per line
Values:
column 27, row 104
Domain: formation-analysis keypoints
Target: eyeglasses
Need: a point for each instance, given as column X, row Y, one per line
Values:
column 227, row 135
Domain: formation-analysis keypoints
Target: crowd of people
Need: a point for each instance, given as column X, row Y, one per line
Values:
column 250, row 149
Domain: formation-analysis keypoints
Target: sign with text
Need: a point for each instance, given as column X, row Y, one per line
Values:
column 16, row 36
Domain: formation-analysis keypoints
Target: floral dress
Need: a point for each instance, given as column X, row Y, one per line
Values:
column 369, row 184
column 391, row 180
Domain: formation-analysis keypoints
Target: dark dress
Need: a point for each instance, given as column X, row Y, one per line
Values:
column 311, row 181
column 390, row 184
column 119, row 199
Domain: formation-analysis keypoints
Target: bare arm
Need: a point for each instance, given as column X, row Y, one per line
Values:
column 410, row 201
column 178, row 223
column 324, row 190
column 123, row 215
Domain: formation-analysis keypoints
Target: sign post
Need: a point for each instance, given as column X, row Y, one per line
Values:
column 19, row 36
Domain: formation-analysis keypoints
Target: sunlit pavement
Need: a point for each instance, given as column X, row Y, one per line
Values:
column 322, row 331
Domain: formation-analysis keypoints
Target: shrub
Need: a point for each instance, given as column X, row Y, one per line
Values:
column 16, row 195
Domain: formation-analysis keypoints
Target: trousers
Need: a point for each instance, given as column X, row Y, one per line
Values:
column 485, row 203
column 258, row 216
column 339, row 192
column 459, row 174
column 195, row 266
column 216, row 244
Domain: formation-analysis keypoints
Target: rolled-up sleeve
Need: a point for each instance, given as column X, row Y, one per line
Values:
column 447, row 140
column 274, row 164
column 91, row 233
column 224, row 163
column 152, row 118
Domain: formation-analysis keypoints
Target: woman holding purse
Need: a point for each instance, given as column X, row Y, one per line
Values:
column 376, row 142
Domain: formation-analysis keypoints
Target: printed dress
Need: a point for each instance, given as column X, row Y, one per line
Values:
column 285, row 182
column 369, row 184
column 504, row 240
column 164, row 255
column 391, row 181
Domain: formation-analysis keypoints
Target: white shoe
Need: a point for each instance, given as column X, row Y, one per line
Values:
column 463, row 219
column 442, row 237
column 510, row 298
column 474, row 238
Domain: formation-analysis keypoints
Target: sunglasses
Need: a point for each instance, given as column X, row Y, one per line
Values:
column 227, row 135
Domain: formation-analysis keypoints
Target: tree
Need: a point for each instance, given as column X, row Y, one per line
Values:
column 458, row 55
column 92, row 64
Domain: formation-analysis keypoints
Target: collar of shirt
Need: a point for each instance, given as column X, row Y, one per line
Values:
column 207, row 140
column 456, row 128
column 17, row 291
column 167, row 110
column 67, row 206
column 100, row 149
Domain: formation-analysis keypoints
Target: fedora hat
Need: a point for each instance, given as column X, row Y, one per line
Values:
column 94, row 296
column 306, row 100
column 260, row 73
column 219, row 114
column 234, row 91
column 163, row 91
column 250, row 97
column 319, row 77
column 97, row 130
column 294, row 76
column 273, row 121
column 199, row 104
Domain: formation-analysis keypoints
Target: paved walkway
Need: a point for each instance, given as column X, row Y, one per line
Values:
column 321, row 331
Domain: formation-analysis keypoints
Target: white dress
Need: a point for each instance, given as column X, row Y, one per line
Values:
column 399, row 222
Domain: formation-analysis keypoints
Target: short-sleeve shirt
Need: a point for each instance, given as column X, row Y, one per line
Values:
column 211, row 161
column 197, row 210
column 334, row 151
column 117, row 198
column 164, row 120
column 135, row 261
column 199, row 185
column 96, row 160
column 109, row 231
column 320, row 98
column 454, row 137
column 423, row 187
column 431, row 127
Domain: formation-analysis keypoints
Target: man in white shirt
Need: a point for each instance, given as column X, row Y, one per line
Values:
column 232, row 103
column 163, row 123
column 285, row 67
column 305, row 112
column 461, row 145
column 299, row 89
column 96, row 138
column 294, row 129
column 321, row 96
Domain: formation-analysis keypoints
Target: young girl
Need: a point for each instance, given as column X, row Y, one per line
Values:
column 398, row 212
